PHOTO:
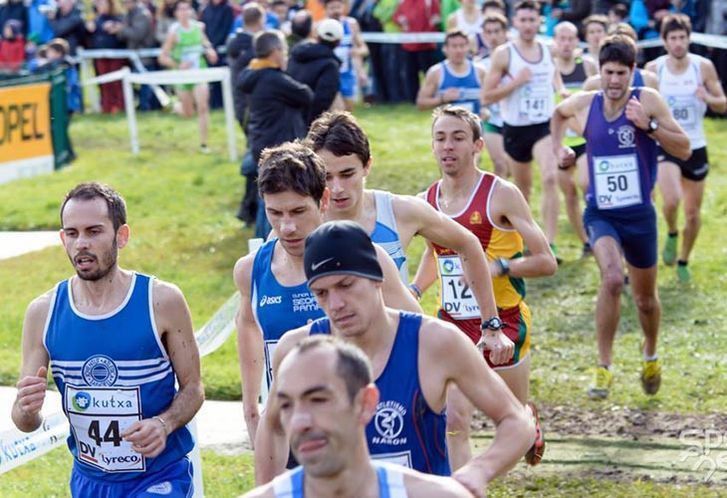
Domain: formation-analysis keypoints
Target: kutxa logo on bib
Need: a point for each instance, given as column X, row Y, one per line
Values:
column 100, row 370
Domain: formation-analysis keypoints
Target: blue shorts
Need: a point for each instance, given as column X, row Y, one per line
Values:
column 348, row 85
column 173, row 481
column 634, row 229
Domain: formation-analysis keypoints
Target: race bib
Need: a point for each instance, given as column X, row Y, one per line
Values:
column 193, row 56
column 98, row 416
column 456, row 296
column 403, row 458
column 617, row 181
column 534, row 103
column 684, row 110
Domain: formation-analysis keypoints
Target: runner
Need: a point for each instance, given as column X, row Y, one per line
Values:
column 409, row 425
column 494, row 32
column 523, row 76
column 496, row 212
column 689, row 83
column 621, row 125
column 468, row 19
column 595, row 28
column 480, row 47
column 393, row 220
column 574, row 70
column 117, row 341
column 185, row 47
column 325, row 399
column 274, row 297
column 351, row 51
column 456, row 80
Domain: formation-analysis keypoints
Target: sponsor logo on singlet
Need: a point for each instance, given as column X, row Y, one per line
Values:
column 389, row 422
column 100, row 370
column 268, row 300
column 163, row 488
column 626, row 136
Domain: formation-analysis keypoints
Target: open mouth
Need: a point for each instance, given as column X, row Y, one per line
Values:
column 84, row 262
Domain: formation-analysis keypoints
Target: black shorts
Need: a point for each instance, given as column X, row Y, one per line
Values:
column 520, row 140
column 695, row 168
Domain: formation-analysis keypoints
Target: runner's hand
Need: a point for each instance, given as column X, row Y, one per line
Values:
column 470, row 476
column 523, row 76
column 636, row 114
column 500, row 346
column 148, row 437
column 565, row 156
column 450, row 94
column 31, row 392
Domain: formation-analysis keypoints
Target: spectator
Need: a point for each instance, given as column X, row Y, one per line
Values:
column 271, row 20
column 468, row 19
column 418, row 16
column 39, row 28
column 217, row 17
column 164, row 19
column 185, row 48
column 15, row 10
column 390, row 74
column 136, row 29
column 112, row 94
column 595, row 28
column 315, row 64
column 277, row 104
column 281, row 11
column 301, row 27
column 618, row 13
column 12, row 46
column 574, row 11
column 68, row 24
column 717, row 18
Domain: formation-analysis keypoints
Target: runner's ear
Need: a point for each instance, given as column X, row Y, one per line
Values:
column 369, row 399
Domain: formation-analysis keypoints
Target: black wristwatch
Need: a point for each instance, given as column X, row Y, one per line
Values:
column 493, row 323
column 653, row 126
column 504, row 266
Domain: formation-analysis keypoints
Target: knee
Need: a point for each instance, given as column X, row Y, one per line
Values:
column 646, row 304
column 692, row 216
column 671, row 202
column 613, row 282
column 550, row 180
column 458, row 422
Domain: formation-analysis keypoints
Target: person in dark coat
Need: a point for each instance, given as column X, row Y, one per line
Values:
column 217, row 17
column 15, row 10
column 277, row 105
column 315, row 64
column 68, row 24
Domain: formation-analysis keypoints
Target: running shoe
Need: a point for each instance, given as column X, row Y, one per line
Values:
column 204, row 149
column 587, row 250
column 535, row 453
column 602, row 381
column 554, row 248
column 651, row 376
column 683, row 273
column 670, row 250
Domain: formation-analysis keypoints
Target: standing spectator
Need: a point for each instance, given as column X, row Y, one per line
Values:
column 136, row 29
column 39, row 28
column 164, row 19
column 618, row 13
column 277, row 104
column 281, row 10
column 185, row 48
column 14, row 10
column 68, row 24
column 390, row 74
column 12, row 46
column 575, row 11
column 468, row 19
column 315, row 64
column 217, row 17
column 112, row 94
column 418, row 16
column 301, row 27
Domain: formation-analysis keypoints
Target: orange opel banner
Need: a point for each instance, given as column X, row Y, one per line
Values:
column 25, row 122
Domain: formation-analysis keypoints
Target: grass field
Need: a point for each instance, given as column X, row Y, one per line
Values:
column 181, row 206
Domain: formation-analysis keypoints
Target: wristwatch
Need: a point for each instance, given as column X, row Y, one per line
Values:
column 504, row 266
column 493, row 323
column 653, row 126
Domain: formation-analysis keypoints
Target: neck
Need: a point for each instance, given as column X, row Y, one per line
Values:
column 461, row 65
column 358, row 479
column 374, row 340
column 678, row 64
column 526, row 43
column 565, row 62
column 461, row 183
column 469, row 9
column 97, row 293
column 291, row 260
column 613, row 107
column 357, row 211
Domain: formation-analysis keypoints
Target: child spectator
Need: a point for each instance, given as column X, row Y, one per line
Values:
column 12, row 46
column 101, row 37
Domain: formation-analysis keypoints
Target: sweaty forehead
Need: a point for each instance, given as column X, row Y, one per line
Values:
column 450, row 124
column 302, row 371
column 80, row 212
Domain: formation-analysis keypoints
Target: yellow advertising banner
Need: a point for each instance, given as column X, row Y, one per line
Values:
column 25, row 122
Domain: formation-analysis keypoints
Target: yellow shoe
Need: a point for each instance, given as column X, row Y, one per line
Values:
column 602, row 380
column 651, row 376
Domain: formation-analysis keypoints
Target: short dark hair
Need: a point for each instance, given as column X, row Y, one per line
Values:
column 495, row 18
column 494, row 4
column 621, row 10
column 252, row 14
column 339, row 133
column 455, row 33
column 596, row 18
column 93, row 190
column 617, row 48
column 460, row 113
column 292, row 167
column 624, row 29
column 267, row 41
column 526, row 5
column 675, row 22
column 301, row 24
column 352, row 364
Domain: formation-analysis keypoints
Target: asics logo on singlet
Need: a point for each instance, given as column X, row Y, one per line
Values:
column 266, row 300
column 100, row 370
column 389, row 422
column 626, row 136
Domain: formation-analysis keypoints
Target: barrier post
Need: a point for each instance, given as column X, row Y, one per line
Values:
column 130, row 113
column 229, row 115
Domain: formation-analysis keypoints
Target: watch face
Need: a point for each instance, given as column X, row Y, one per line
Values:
column 493, row 323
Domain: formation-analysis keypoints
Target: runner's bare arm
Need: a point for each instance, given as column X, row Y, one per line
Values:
column 209, row 49
column 576, row 107
column 396, row 295
column 174, row 325
column 250, row 348
column 165, row 57
column 712, row 93
column 450, row 353
column 34, row 368
column 508, row 205
column 593, row 83
column 650, row 79
column 651, row 66
column 427, row 97
column 360, row 49
column 271, row 445
column 492, row 90
column 590, row 67
column 558, row 85
column 444, row 231
column 427, row 272
column 670, row 135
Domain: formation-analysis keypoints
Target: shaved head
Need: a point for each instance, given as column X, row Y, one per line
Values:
column 566, row 27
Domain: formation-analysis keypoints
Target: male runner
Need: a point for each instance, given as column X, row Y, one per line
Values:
column 574, row 70
column 455, row 80
column 496, row 212
column 117, row 341
column 393, row 220
column 523, row 76
column 621, row 125
column 325, row 398
column 689, row 83
column 494, row 34
column 273, row 291
column 595, row 28
column 351, row 51
column 409, row 424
